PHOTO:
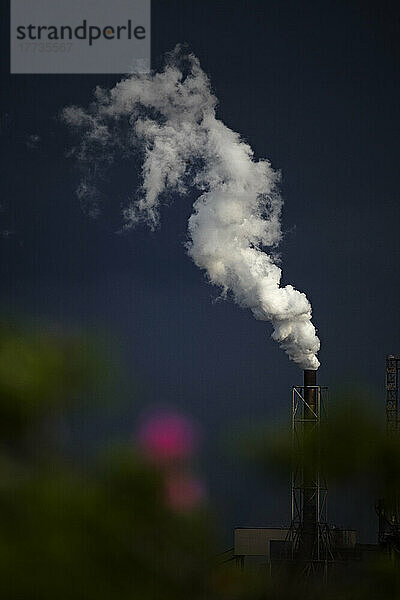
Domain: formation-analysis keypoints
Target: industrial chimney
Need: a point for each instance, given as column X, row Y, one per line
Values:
column 308, row 533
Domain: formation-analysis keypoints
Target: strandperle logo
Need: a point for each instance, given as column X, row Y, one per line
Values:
column 90, row 33
column 80, row 36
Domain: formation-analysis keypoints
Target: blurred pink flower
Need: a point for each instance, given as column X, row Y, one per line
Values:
column 184, row 492
column 166, row 437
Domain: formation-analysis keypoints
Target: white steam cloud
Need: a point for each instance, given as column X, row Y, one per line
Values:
column 169, row 118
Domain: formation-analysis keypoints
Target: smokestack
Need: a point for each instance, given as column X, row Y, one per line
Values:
column 310, row 381
column 308, row 534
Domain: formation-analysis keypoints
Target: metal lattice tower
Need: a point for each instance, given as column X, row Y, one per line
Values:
column 309, row 532
column 388, row 509
column 392, row 393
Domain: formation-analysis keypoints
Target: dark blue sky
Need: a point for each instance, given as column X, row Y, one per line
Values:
column 313, row 86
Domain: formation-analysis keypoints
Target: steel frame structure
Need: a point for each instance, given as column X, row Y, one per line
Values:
column 392, row 393
column 388, row 509
column 309, row 418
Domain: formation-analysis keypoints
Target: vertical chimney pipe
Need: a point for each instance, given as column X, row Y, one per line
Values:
column 309, row 525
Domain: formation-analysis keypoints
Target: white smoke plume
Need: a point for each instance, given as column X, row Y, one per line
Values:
column 169, row 117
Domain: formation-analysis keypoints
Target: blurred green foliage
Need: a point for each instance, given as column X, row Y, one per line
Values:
column 81, row 531
column 103, row 529
column 41, row 371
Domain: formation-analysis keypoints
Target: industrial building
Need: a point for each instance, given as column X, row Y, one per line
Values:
column 309, row 541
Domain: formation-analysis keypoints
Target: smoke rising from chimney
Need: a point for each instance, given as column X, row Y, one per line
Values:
column 169, row 118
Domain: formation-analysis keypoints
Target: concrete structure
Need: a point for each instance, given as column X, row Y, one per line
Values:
column 256, row 541
column 265, row 545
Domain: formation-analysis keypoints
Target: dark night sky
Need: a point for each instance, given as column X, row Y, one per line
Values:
column 313, row 86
